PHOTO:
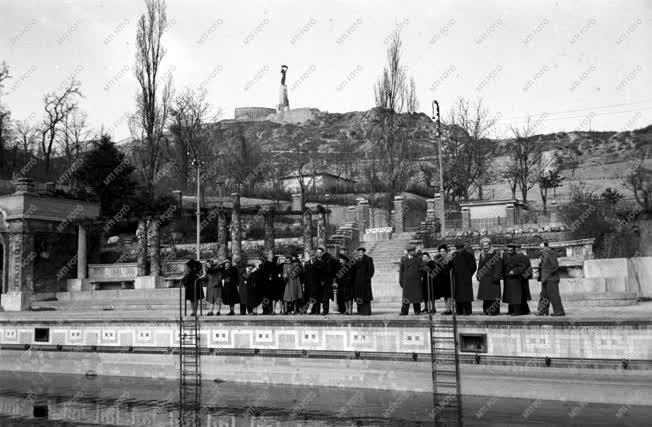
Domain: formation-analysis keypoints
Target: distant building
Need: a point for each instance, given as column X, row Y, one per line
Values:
column 317, row 182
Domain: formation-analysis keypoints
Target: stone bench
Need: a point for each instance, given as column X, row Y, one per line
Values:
column 101, row 275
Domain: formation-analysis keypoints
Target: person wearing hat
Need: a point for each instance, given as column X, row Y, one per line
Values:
column 363, row 271
column 549, row 278
column 214, row 287
column 230, row 294
column 442, row 277
column 464, row 266
column 410, row 281
column 192, row 284
column 292, row 272
column 490, row 273
column 516, row 274
column 247, row 289
column 344, row 282
column 339, row 296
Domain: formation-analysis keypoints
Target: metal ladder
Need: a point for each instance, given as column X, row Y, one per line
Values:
column 189, row 367
column 444, row 357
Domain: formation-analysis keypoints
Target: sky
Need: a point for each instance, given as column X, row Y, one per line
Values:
column 569, row 65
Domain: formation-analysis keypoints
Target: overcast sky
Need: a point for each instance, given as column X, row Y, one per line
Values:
column 570, row 64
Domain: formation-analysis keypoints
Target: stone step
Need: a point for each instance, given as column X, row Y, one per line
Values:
column 118, row 294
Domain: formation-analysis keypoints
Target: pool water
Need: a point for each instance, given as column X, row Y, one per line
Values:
column 67, row 400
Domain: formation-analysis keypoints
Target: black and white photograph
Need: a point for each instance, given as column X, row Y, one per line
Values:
column 325, row 213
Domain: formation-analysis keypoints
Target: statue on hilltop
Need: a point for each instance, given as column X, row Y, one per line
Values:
column 284, row 103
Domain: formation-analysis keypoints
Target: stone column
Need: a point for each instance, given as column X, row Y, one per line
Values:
column 307, row 231
column 398, row 220
column 439, row 207
column 323, row 223
column 236, row 226
column 178, row 197
column 350, row 214
column 269, row 232
column 155, row 248
column 466, row 219
column 141, row 254
column 554, row 212
column 222, row 234
column 20, row 276
column 362, row 214
column 82, row 264
column 430, row 209
column 297, row 202
column 510, row 215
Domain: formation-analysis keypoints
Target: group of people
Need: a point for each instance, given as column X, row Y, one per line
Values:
column 284, row 285
column 449, row 275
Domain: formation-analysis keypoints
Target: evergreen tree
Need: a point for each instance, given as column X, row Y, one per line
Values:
column 107, row 171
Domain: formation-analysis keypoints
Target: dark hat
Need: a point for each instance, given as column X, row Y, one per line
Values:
column 444, row 247
column 459, row 245
column 342, row 256
column 411, row 248
column 362, row 249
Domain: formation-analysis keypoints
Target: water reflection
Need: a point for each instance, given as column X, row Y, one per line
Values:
column 31, row 399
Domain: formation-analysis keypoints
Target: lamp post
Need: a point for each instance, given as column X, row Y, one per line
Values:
column 442, row 214
column 196, row 163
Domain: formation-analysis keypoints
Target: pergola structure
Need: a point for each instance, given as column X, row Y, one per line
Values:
column 32, row 229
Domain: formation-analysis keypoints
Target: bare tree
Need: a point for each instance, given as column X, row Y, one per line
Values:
column 5, row 117
column 243, row 163
column 189, row 116
column 525, row 158
column 75, row 135
column 475, row 119
column 26, row 136
column 510, row 173
column 155, row 95
column 390, row 89
column 412, row 103
column 57, row 106
column 640, row 182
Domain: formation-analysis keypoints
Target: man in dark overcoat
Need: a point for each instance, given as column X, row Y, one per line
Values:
column 443, row 267
column 516, row 272
column 464, row 266
column 312, row 285
column 428, row 274
column 549, row 278
column 410, row 281
column 328, row 267
column 490, row 272
column 363, row 271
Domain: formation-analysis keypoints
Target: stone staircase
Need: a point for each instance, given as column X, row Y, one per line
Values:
column 386, row 255
column 123, row 299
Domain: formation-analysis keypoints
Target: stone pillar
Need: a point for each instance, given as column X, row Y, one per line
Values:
column 430, row 209
column 466, row 219
column 178, row 197
column 269, row 232
column 82, row 264
column 297, row 202
column 154, row 248
column 141, row 254
column 439, row 207
column 323, row 223
column 362, row 214
column 554, row 212
column 398, row 220
column 222, row 234
column 510, row 215
column 21, row 270
column 350, row 214
column 236, row 226
column 306, row 225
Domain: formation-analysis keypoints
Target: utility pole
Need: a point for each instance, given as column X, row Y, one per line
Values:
column 442, row 214
column 197, row 165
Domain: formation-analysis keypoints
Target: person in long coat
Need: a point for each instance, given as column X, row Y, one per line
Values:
column 312, row 283
column 247, row 289
column 490, row 272
column 230, row 294
column 428, row 274
column 278, row 282
column 442, row 277
column 265, row 280
column 339, row 296
column 516, row 272
column 363, row 271
column 328, row 267
column 344, row 281
column 464, row 266
column 214, row 287
column 292, row 272
column 549, row 278
column 192, row 284
column 409, row 279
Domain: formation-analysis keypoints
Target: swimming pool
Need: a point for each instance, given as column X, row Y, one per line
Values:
column 52, row 399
